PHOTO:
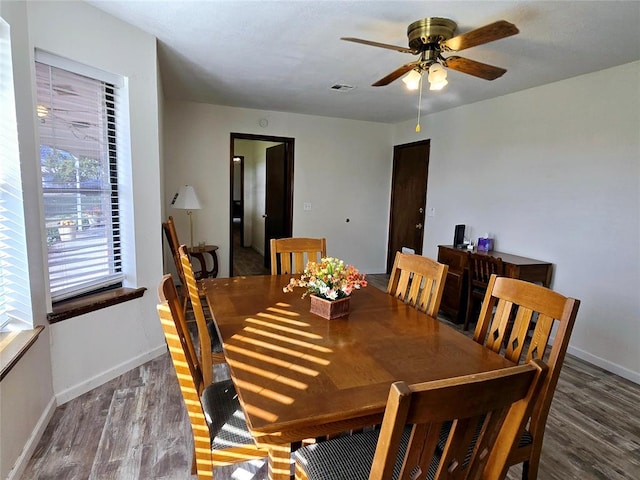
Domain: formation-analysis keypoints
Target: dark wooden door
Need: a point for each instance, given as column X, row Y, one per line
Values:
column 276, row 224
column 408, row 198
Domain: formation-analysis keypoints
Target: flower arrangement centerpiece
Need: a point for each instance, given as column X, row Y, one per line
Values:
column 330, row 283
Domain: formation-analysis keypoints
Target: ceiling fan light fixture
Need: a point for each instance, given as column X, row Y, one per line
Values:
column 412, row 80
column 438, row 85
column 437, row 77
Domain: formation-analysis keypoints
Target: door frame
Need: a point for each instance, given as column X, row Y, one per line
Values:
column 290, row 154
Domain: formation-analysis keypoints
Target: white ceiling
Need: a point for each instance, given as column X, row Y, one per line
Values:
column 285, row 55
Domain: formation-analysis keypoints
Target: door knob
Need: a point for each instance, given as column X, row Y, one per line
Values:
column 419, row 226
column 264, row 216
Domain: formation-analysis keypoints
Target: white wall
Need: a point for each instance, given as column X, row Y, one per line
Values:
column 342, row 167
column 75, row 355
column 553, row 173
column 26, row 393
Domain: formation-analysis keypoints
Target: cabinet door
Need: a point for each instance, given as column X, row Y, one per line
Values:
column 454, row 297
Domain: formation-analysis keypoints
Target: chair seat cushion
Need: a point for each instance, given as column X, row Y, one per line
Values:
column 526, row 439
column 227, row 424
column 349, row 457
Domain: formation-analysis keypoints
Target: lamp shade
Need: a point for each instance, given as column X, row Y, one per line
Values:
column 412, row 79
column 186, row 199
column 437, row 77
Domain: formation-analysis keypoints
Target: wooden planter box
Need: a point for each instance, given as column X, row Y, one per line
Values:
column 330, row 309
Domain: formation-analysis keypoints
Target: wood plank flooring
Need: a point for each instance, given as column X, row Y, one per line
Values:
column 246, row 260
column 136, row 427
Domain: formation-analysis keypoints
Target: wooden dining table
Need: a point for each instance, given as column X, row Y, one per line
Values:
column 300, row 376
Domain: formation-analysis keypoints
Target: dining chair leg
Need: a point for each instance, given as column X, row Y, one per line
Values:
column 530, row 468
column 194, row 463
column 279, row 462
column 300, row 473
column 470, row 309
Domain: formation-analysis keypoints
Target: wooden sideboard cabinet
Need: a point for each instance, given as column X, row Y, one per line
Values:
column 454, row 298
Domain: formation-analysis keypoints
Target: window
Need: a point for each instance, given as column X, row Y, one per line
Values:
column 15, row 293
column 78, row 111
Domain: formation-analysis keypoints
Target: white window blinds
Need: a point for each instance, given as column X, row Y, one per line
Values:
column 79, row 180
column 15, row 293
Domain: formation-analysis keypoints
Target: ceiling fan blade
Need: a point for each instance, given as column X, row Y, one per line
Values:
column 397, row 73
column 471, row 67
column 378, row 44
column 486, row 34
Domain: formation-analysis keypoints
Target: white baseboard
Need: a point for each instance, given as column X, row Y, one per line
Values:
column 606, row 364
column 23, row 460
column 88, row 385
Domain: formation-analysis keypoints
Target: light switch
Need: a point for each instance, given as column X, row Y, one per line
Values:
column 307, row 206
column 431, row 212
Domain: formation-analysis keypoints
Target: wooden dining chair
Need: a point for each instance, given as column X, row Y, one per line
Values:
column 220, row 433
column 169, row 229
column 486, row 410
column 510, row 310
column 295, row 252
column 480, row 268
column 418, row 281
column 208, row 339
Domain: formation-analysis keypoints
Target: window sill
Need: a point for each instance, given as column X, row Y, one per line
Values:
column 90, row 303
column 13, row 345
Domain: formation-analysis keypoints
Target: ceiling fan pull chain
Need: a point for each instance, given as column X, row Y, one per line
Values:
column 419, row 103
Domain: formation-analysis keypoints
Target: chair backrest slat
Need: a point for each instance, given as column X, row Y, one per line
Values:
column 172, row 310
column 482, row 266
column 295, row 252
column 198, row 312
column 189, row 389
column 418, row 281
column 511, row 308
column 192, row 386
column 169, row 228
column 487, row 410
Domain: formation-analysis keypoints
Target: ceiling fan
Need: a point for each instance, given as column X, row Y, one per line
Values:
column 432, row 36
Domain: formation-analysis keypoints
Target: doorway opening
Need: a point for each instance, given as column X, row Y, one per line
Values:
column 261, row 199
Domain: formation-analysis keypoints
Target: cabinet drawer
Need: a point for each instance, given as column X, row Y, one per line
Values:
column 456, row 259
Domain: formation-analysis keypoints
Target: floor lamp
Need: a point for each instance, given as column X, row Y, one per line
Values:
column 187, row 199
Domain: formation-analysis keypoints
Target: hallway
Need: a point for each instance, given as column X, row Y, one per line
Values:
column 246, row 261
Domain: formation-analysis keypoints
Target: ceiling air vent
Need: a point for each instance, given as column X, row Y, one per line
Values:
column 341, row 87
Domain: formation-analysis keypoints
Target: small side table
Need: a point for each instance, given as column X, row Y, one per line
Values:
column 199, row 254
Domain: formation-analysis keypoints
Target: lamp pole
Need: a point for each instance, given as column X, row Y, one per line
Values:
column 190, row 212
